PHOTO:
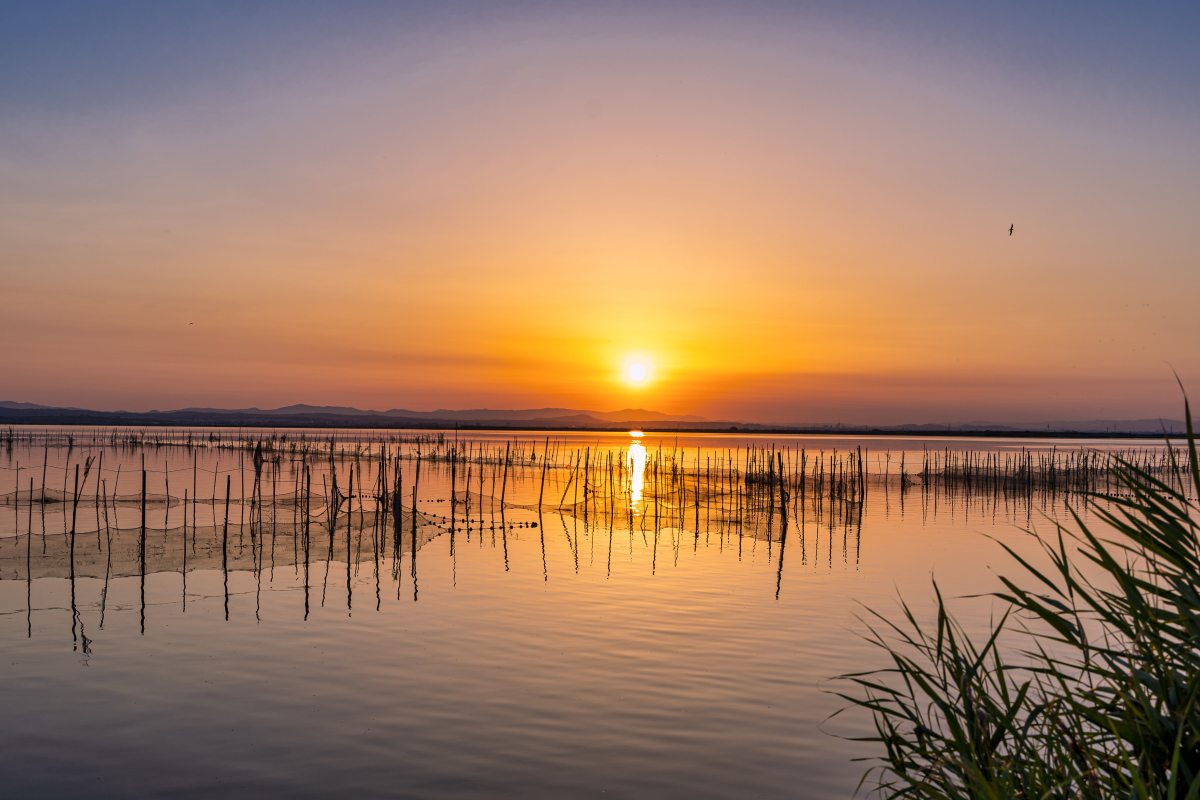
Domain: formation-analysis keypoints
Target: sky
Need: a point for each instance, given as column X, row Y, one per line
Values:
column 787, row 212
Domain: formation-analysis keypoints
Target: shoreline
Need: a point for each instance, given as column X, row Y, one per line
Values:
column 140, row 420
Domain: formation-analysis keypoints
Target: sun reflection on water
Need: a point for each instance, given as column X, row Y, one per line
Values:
column 637, row 469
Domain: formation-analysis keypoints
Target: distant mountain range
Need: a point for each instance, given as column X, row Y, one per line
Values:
column 300, row 415
column 344, row 416
column 472, row 415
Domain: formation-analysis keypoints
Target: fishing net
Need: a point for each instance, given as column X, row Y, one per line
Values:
column 112, row 552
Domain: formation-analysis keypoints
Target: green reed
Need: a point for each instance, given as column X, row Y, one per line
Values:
column 1101, row 699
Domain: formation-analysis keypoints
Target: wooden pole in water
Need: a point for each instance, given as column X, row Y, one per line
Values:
column 306, row 487
column 413, row 561
column 74, row 509
column 225, row 545
column 397, row 505
column 143, row 507
column 504, row 480
column 142, row 550
column 587, row 465
column 542, row 489
column 29, row 565
column 782, row 500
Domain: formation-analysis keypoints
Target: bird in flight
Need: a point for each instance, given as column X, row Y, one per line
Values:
column 1010, row 229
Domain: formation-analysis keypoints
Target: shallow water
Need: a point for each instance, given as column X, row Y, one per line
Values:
column 606, row 655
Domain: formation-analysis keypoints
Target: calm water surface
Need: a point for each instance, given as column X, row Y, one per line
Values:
column 606, row 655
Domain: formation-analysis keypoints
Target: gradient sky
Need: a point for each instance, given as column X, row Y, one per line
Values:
column 790, row 212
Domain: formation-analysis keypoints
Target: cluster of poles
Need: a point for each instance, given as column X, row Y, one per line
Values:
column 293, row 441
column 338, row 490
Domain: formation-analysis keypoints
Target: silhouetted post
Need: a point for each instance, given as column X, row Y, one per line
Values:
column 413, row 561
column 29, row 567
column 242, row 494
column 142, row 552
column 307, row 506
column 183, row 568
column 143, row 503
column 397, row 505
column 545, row 458
column 783, row 500
column 74, row 509
column 782, row 543
column 75, row 608
column 504, row 480
column 225, row 546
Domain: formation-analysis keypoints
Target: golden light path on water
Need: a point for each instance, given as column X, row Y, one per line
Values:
column 637, row 470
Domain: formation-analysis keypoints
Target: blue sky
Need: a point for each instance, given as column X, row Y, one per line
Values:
column 76, row 56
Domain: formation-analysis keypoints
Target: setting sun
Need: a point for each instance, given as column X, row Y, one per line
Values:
column 636, row 372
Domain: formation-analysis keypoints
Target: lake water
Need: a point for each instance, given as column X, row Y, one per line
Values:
column 669, row 640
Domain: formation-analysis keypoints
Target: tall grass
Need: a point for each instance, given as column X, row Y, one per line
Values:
column 1087, row 684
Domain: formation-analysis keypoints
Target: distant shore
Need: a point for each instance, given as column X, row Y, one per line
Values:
column 63, row 418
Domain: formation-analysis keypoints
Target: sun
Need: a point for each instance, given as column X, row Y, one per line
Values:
column 637, row 371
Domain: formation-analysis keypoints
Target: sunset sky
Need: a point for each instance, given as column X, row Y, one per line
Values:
column 786, row 212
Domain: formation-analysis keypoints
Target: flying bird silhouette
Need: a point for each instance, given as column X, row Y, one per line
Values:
column 1010, row 229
